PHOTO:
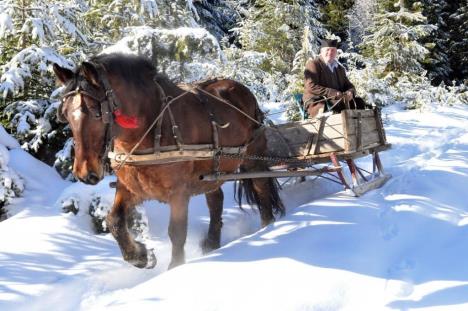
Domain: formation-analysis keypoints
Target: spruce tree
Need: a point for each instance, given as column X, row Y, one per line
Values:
column 394, row 40
column 438, row 64
column 459, row 41
column 360, row 18
column 276, row 28
column 33, row 35
column 335, row 17
column 110, row 19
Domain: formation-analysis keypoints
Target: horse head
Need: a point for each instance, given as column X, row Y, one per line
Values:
column 82, row 108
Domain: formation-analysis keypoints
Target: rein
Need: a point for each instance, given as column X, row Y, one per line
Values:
column 110, row 112
column 166, row 108
column 109, row 105
column 160, row 115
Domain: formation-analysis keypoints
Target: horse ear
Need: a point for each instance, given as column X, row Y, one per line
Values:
column 90, row 73
column 63, row 74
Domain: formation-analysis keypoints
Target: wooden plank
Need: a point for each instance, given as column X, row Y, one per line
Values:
column 301, row 133
column 334, row 119
column 319, row 136
column 346, row 131
column 380, row 128
column 367, row 139
column 354, row 112
column 340, row 134
column 367, row 125
column 265, row 174
column 359, row 133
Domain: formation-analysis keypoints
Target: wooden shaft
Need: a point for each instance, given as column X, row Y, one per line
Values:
column 267, row 174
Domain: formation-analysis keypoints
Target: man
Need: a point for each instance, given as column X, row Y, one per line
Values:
column 325, row 78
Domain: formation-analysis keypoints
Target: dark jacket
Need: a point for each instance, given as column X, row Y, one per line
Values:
column 319, row 80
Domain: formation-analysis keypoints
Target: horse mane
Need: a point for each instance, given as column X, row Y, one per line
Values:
column 134, row 69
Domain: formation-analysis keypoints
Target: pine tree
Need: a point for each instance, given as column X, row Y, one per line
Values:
column 360, row 18
column 33, row 35
column 335, row 17
column 438, row 64
column 276, row 28
column 111, row 19
column 459, row 41
column 394, row 40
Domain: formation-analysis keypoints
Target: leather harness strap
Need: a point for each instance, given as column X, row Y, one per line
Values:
column 109, row 104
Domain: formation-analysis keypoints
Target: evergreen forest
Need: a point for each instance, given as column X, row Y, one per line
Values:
column 409, row 52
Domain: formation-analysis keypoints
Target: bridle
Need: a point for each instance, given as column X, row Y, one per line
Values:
column 108, row 104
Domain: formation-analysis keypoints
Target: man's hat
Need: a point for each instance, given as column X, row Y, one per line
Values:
column 329, row 43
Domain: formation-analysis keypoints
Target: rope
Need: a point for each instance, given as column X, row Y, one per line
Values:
column 317, row 101
column 229, row 104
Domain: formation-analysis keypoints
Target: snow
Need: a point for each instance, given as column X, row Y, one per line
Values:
column 403, row 246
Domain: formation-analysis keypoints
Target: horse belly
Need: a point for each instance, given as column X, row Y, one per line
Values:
column 154, row 182
column 161, row 182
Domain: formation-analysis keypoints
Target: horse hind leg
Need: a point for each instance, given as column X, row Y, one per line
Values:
column 178, row 228
column 214, row 201
column 117, row 221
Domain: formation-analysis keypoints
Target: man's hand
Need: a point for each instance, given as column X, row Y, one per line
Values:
column 338, row 95
column 348, row 95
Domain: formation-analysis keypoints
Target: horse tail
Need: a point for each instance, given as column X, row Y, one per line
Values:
column 262, row 192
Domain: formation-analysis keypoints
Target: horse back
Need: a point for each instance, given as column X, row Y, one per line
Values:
column 211, row 102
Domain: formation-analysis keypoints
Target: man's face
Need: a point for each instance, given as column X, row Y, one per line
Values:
column 328, row 54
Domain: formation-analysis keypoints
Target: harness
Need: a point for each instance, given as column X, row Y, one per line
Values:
column 110, row 110
column 108, row 102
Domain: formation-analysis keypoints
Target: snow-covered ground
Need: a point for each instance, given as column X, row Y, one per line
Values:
column 404, row 246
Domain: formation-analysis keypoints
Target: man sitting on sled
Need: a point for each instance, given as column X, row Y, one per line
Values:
column 326, row 85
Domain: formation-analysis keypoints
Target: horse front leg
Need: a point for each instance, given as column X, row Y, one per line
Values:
column 178, row 228
column 117, row 221
column 214, row 201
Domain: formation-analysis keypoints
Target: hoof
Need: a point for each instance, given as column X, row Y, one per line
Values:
column 209, row 245
column 151, row 259
column 175, row 262
column 266, row 222
column 143, row 258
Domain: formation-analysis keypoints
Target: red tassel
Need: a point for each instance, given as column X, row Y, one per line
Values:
column 125, row 121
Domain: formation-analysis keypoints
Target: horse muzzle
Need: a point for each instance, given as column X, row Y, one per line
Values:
column 90, row 179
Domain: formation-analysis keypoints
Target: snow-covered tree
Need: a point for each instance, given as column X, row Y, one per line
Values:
column 33, row 35
column 111, row 19
column 360, row 18
column 458, row 22
column 438, row 62
column 11, row 185
column 394, row 41
column 335, row 17
column 219, row 17
column 276, row 28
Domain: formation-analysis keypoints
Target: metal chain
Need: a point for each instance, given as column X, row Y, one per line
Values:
column 278, row 160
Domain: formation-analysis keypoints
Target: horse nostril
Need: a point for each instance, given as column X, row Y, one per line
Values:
column 92, row 179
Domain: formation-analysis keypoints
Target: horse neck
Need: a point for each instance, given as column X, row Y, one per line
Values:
column 144, row 105
column 169, row 88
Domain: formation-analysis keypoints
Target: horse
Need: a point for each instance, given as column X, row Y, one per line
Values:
column 111, row 102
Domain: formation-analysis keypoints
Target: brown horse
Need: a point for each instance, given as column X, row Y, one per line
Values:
column 113, row 101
